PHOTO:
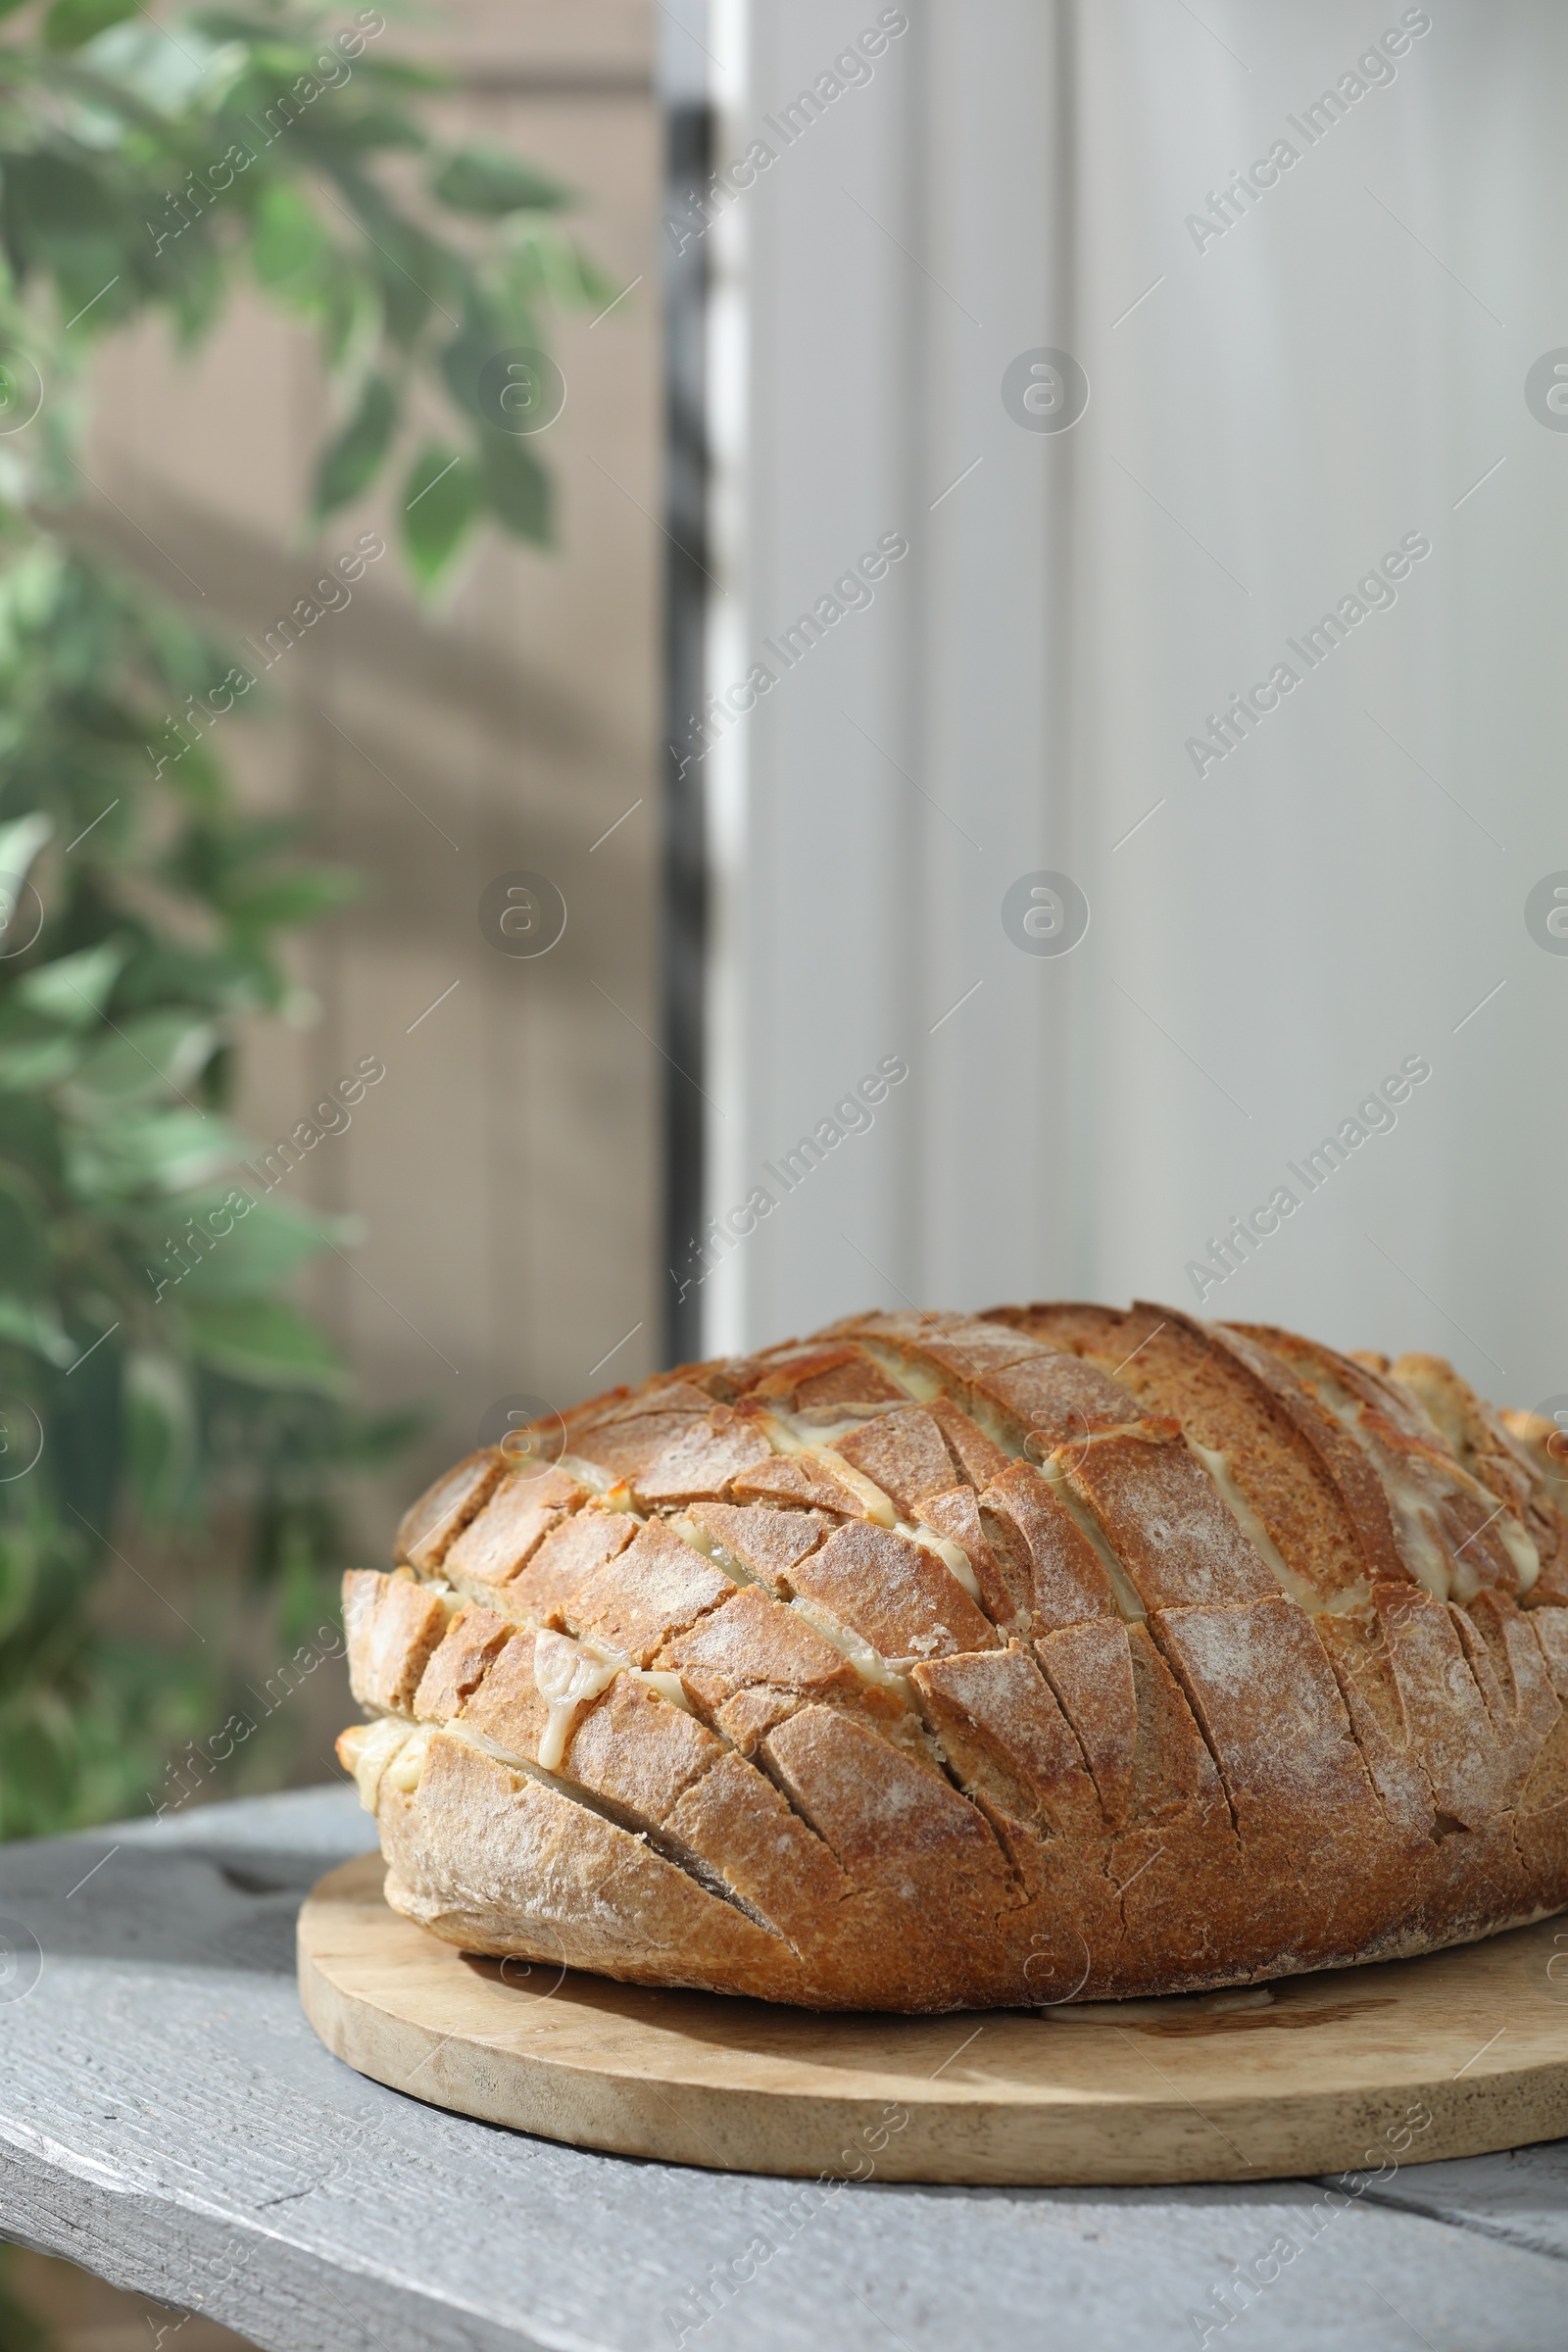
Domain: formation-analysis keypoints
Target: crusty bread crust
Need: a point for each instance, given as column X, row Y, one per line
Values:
column 938, row 1662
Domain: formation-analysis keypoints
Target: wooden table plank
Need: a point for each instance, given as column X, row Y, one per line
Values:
column 167, row 2118
column 1521, row 2198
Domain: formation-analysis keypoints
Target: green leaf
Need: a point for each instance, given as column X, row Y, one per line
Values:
column 405, row 302
column 158, row 1052
column 374, row 129
column 350, row 320
column 38, row 1329
column 264, row 1343
column 159, row 1151
column 171, row 75
column 288, row 242
column 70, row 22
column 483, row 179
column 349, row 464
column 195, row 775
column 412, row 270
column 440, row 500
column 24, row 1241
column 19, row 1579
column 29, row 1135
column 516, row 488
column 160, row 1429
column 51, row 200
column 464, row 360
column 74, row 989
column 19, row 844
column 29, row 1063
column 264, row 1244
column 289, row 900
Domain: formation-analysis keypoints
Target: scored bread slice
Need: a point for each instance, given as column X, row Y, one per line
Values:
column 946, row 1661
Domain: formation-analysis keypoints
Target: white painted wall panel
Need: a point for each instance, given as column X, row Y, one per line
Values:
column 1337, row 369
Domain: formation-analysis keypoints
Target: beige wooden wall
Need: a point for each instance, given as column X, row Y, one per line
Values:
column 506, row 1169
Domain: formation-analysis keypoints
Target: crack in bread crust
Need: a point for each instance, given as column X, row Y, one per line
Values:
column 942, row 1660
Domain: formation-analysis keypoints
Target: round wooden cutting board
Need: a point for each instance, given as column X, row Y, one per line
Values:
column 1362, row 2070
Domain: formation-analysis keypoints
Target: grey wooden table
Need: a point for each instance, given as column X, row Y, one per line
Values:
column 169, row 2120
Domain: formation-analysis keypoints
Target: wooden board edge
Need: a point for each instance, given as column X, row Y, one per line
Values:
column 979, row 2143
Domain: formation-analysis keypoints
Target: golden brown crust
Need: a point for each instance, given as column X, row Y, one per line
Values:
column 545, row 1591
column 761, row 1543
column 1001, row 1726
column 394, row 1625
column 428, row 1527
column 957, row 1516
column 799, row 1481
column 903, row 1452
column 891, row 1591
column 504, row 1535
column 1162, row 1515
column 640, row 1597
column 944, row 1661
column 1058, row 1576
column 500, row 1862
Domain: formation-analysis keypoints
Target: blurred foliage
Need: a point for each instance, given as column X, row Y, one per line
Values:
column 21, row 2329
column 153, row 1370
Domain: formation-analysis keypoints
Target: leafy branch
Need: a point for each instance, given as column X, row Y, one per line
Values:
column 151, row 169
column 155, row 1369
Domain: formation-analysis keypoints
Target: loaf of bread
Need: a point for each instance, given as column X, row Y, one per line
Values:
column 943, row 1662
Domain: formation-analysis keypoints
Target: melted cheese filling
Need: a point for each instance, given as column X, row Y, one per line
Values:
column 1127, row 1596
column 1295, row 1587
column 868, row 1663
column 405, row 1769
column 587, row 1474
column 565, row 1675
column 711, row 1548
column 1419, row 1545
column 387, row 1749
column 915, row 1380
column 1414, row 1540
column 951, row 1555
column 825, row 1423
column 787, row 1434
column 1520, row 1548
column 878, row 1508
column 1000, row 1427
column 669, row 1686
column 371, row 1749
